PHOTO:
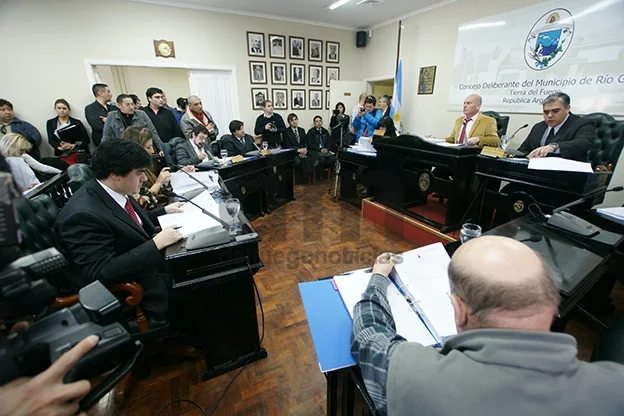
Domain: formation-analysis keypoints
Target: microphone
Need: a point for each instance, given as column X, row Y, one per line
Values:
column 205, row 212
column 203, row 185
column 581, row 200
column 516, row 132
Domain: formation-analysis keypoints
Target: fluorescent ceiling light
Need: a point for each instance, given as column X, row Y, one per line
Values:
column 338, row 4
column 482, row 25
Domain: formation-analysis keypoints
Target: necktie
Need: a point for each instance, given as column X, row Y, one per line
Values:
column 296, row 131
column 130, row 210
column 462, row 135
column 320, row 138
column 550, row 137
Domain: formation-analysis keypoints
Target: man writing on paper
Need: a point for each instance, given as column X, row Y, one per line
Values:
column 474, row 128
column 561, row 132
column 504, row 360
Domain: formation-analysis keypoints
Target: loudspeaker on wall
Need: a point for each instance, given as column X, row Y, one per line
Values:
column 360, row 39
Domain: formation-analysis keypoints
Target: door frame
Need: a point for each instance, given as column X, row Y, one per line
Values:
column 90, row 65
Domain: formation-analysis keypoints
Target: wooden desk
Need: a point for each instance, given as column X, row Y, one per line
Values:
column 356, row 176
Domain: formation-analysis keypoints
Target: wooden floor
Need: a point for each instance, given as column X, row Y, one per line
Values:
column 305, row 240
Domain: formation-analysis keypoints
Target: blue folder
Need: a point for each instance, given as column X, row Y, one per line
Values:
column 330, row 324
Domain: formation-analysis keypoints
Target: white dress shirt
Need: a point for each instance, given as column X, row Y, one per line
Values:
column 197, row 149
column 547, row 132
column 119, row 198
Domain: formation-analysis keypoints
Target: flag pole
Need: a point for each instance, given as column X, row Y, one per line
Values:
column 398, row 53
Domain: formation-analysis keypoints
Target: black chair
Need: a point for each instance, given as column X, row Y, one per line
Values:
column 502, row 122
column 169, row 151
column 607, row 147
column 79, row 174
column 215, row 148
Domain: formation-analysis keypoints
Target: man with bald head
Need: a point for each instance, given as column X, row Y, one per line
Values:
column 196, row 116
column 473, row 128
column 504, row 359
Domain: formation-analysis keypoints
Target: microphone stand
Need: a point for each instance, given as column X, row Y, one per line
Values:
column 203, row 185
column 337, row 165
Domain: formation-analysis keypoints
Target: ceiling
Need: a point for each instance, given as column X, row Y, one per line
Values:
column 349, row 16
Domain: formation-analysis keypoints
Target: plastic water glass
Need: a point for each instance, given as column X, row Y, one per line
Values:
column 232, row 206
column 214, row 177
column 504, row 141
column 469, row 231
column 224, row 153
column 265, row 145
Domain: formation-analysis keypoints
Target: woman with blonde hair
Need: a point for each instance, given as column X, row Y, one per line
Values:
column 13, row 147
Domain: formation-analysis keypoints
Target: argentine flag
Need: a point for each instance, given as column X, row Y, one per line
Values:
column 397, row 96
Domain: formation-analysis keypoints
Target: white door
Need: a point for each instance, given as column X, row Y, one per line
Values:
column 218, row 92
column 347, row 92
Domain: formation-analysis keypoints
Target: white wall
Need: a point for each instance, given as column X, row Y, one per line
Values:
column 49, row 40
column 429, row 39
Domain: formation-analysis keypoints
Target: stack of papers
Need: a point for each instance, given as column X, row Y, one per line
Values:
column 182, row 183
column 615, row 214
column 560, row 164
column 192, row 220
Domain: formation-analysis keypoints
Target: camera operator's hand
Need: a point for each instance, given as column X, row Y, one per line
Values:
column 164, row 176
column 167, row 237
column 361, row 111
column 46, row 394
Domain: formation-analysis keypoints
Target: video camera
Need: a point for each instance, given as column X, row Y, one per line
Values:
column 25, row 290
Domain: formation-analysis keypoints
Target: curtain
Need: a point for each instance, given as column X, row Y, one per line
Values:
column 215, row 90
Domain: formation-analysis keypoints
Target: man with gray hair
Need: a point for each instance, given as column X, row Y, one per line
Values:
column 504, row 360
column 561, row 132
column 196, row 116
column 384, row 105
column 474, row 128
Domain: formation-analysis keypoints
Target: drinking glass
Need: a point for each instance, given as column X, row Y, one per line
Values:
column 224, row 153
column 232, row 206
column 214, row 177
column 469, row 231
column 265, row 145
column 504, row 141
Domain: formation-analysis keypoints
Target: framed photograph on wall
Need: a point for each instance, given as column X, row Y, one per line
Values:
column 328, row 106
column 333, row 74
column 297, row 48
column 316, row 99
column 277, row 46
column 426, row 79
column 297, row 74
column 278, row 73
column 258, row 95
column 315, row 73
column 315, row 50
column 257, row 72
column 333, row 52
column 255, row 44
column 280, row 98
column 298, row 99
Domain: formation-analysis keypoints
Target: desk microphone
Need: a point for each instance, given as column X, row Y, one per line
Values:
column 516, row 132
column 581, row 200
column 203, row 185
column 204, row 211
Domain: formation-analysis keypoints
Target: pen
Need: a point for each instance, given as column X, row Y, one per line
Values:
column 177, row 228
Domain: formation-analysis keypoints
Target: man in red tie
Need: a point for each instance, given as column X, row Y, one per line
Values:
column 473, row 128
column 106, row 236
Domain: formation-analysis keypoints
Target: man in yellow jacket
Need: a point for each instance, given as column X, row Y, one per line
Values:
column 474, row 128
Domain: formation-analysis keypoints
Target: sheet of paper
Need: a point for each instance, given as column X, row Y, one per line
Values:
column 181, row 182
column 192, row 220
column 408, row 324
column 615, row 214
column 560, row 164
column 423, row 274
column 204, row 200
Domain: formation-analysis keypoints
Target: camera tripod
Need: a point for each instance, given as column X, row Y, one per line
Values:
column 334, row 184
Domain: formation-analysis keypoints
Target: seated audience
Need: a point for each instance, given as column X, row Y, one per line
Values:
column 126, row 116
column 194, row 151
column 386, row 125
column 196, row 116
column 319, row 142
column 11, row 124
column 504, row 359
column 138, row 105
column 384, row 105
column 13, row 147
column 238, row 143
column 154, row 190
column 339, row 123
column 162, row 118
column 367, row 118
column 270, row 125
column 473, row 128
column 296, row 138
column 180, row 110
column 67, row 152
column 104, row 233
column 561, row 133
column 98, row 110
column 356, row 109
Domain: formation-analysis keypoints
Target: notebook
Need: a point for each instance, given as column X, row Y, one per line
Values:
column 419, row 299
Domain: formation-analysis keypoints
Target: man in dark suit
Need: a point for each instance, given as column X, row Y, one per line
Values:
column 194, row 150
column 318, row 139
column 97, row 111
column 106, row 236
column 561, row 132
column 239, row 142
column 295, row 138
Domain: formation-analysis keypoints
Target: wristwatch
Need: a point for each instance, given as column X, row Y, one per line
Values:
column 555, row 146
